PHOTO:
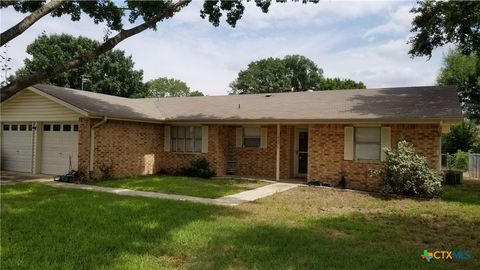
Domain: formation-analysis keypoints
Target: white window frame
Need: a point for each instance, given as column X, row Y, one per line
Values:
column 379, row 143
column 195, row 142
column 251, row 137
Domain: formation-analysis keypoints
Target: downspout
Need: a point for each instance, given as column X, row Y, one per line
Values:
column 277, row 169
column 92, row 144
column 440, row 146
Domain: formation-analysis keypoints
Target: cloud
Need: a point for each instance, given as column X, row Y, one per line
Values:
column 399, row 22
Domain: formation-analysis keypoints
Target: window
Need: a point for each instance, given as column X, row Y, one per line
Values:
column 75, row 127
column 46, row 127
column 67, row 128
column 186, row 139
column 6, row 127
column 56, row 127
column 14, row 127
column 367, row 143
column 30, row 127
column 23, row 127
column 251, row 137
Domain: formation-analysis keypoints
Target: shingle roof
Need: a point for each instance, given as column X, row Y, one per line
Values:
column 396, row 104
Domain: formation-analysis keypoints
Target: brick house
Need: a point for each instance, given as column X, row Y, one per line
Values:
column 309, row 135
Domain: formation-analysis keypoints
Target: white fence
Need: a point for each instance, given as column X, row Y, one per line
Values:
column 474, row 165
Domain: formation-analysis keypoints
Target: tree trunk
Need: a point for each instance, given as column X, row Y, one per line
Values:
column 28, row 21
column 39, row 76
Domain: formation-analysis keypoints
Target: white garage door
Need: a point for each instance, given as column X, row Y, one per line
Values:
column 17, row 150
column 59, row 148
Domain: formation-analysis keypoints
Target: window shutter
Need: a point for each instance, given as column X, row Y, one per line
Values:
column 204, row 139
column 239, row 137
column 166, row 136
column 385, row 141
column 348, row 143
column 263, row 137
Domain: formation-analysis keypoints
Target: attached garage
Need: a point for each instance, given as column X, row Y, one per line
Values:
column 39, row 134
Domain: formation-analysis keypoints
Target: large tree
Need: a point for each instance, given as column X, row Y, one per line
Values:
column 463, row 71
column 142, row 14
column 437, row 23
column 168, row 87
column 291, row 73
column 112, row 73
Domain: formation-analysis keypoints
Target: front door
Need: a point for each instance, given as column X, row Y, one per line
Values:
column 302, row 153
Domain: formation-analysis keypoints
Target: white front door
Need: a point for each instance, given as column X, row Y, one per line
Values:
column 59, row 148
column 17, row 147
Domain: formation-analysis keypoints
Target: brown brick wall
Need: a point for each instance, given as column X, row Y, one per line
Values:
column 326, row 144
column 261, row 162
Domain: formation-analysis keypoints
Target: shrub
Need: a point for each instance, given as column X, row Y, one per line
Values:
column 459, row 161
column 407, row 173
column 464, row 136
column 200, row 168
column 106, row 170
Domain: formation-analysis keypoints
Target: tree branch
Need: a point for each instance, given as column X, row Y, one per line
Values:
column 28, row 21
column 39, row 76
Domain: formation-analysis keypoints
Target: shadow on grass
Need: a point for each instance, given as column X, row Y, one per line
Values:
column 466, row 193
column 47, row 228
column 345, row 242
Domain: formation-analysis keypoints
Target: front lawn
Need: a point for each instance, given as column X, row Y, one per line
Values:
column 304, row 228
column 198, row 187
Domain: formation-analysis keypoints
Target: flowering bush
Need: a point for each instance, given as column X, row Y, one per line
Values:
column 407, row 173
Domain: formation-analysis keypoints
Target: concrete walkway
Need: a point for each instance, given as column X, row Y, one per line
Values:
column 231, row 200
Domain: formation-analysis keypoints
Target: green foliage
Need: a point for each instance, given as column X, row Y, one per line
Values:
column 463, row 71
column 166, row 87
column 196, row 93
column 338, row 83
column 200, row 168
column 458, row 161
column 106, row 171
column 112, row 73
column 291, row 73
column 407, row 173
column 464, row 137
column 441, row 22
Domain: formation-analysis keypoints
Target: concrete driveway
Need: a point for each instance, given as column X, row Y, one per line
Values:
column 12, row 178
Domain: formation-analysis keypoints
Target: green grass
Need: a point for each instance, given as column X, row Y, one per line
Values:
column 468, row 193
column 198, row 187
column 304, row 228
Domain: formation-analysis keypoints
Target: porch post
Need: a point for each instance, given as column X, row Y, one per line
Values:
column 277, row 176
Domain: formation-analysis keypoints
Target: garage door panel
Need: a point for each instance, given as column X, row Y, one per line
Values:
column 17, row 149
column 59, row 148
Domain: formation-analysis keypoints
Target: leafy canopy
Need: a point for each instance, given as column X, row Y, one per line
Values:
column 462, row 137
column 168, row 87
column 463, row 71
column 437, row 23
column 112, row 73
column 291, row 73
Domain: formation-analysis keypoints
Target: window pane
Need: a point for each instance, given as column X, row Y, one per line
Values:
column 46, row 127
column 6, row 127
column 56, row 127
column 251, row 142
column 371, row 135
column 30, row 127
column 173, row 133
column 67, row 128
column 189, row 145
column 190, row 132
column 23, row 127
column 75, row 127
column 198, row 145
column 198, row 132
column 180, row 145
column 367, row 151
column 181, row 132
column 251, row 132
column 174, row 145
column 14, row 127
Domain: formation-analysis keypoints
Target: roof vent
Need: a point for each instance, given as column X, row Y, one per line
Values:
column 268, row 95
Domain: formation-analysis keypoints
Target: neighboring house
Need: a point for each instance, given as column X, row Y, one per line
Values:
column 311, row 135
